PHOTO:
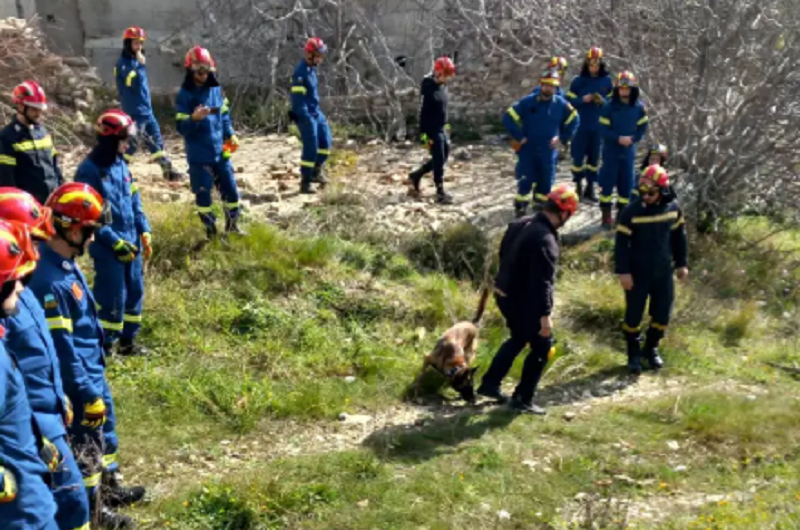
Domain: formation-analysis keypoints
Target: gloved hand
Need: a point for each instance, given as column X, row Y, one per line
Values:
column 147, row 245
column 50, row 455
column 598, row 99
column 234, row 141
column 69, row 412
column 8, row 486
column 125, row 251
column 94, row 414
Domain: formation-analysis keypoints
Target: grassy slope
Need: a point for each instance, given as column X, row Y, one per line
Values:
column 264, row 334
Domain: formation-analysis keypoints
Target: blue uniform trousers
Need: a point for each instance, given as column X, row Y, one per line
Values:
column 205, row 177
column 316, row 137
column 119, row 291
column 585, row 150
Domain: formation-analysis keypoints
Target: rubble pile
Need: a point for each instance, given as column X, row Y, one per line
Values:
column 71, row 83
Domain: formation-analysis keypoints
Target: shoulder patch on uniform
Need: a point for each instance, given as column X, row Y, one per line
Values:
column 50, row 301
column 66, row 265
column 77, row 291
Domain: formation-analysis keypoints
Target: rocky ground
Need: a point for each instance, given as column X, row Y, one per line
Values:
column 479, row 176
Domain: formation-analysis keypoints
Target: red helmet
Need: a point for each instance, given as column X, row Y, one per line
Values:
column 199, row 58
column 17, row 253
column 559, row 63
column 315, row 45
column 594, row 53
column 627, row 79
column 17, row 206
column 75, row 204
column 444, row 65
column 115, row 123
column 134, row 33
column 565, row 198
column 657, row 175
column 551, row 77
column 30, row 94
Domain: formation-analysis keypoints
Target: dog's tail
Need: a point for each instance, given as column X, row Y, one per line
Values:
column 481, row 304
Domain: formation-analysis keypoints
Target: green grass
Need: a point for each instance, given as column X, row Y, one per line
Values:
column 278, row 334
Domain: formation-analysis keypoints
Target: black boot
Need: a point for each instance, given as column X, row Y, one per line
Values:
column 492, row 392
column 634, row 355
column 521, row 407
column 232, row 226
column 579, row 188
column 620, row 206
column 211, row 232
column 589, row 194
column 318, row 177
column 442, row 197
column 607, row 222
column 306, row 189
column 169, row 172
column 129, row 348
column 115, row 494
column 520, row 208
column 650, row 353
column 111, row 520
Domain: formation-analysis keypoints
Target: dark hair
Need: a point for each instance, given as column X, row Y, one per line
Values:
column 188, row 80
column 551, row 206
column 602, row 73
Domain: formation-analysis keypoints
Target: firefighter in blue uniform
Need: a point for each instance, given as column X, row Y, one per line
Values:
column 203, row 118
column 588, row 93
column 623, row 123
column 562, row 65
column 26, row 502
column 120, row 247
column 78, row 212
column 314, row 130
column 133, row 89
column 28, row 159
column 28, row 341
column 650, row 244
column 537, row 123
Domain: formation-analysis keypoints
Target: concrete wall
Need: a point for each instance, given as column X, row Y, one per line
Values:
column 17, row 8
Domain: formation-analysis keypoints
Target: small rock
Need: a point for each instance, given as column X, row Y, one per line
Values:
column 751, row 397
column 225, row 442
column 292, row 140
column 673, row 445
column 239, row 169
column 679, row 469
column 350, row 379
column 343, row 416
column 355, row 419
column 420, row 332
column 569, row 416
column 581, row 495
column 502, row 514
column 363, row 503
column 624, row 478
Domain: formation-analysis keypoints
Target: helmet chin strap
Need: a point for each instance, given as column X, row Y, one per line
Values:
column 80, row 248
column 5, row 292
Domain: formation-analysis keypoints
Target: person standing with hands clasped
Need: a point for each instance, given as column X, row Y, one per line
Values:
column 650, row 240
column 524, row 292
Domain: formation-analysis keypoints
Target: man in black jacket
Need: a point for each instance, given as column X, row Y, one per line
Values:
column 432, row 124
column 28, row 158
column 524, row 290
column 651, row 237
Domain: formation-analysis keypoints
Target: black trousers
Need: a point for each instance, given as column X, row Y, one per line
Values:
column 440, row 152
column 524, row 331
column 660, row 290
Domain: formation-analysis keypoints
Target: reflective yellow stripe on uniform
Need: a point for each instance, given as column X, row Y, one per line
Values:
column 540, row 197
column 622, row 229
column 299, row 90
column 34, row 145
column 678, row 223
column 109, row 459
column 577, row 169
column 623, row 200
column 92, row 481
column 593, row 169
column 60, row 322
column 523, row 198
column 306, row 163
column 606, row 198
column 605, row 121
column 572, row 94
column 181, row 116
column 129, row 79
column 226, row 106
column 158, row 155
column 630, row 329
column 132, row 318
column 112, row 326
column 6, row 160
column 656, row 325
column 204, row 209
column 323, row 151
column 643, row 121
column 134, row 189
column 669, row 216
column 127, row 157
column 514, row 115
column 571, row 117
column 231, row 205
column 84, row 527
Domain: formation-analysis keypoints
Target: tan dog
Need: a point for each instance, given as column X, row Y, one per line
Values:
column 455, row 351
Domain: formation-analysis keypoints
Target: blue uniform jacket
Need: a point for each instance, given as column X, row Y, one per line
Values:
column 133, row 87
column 622, row 119
column 28, row 340
column 128, row 220
column 305, row 97
column 584, row 85
column 69, row 306
column 203, row 139
column 34, row 506
column 540, row 120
